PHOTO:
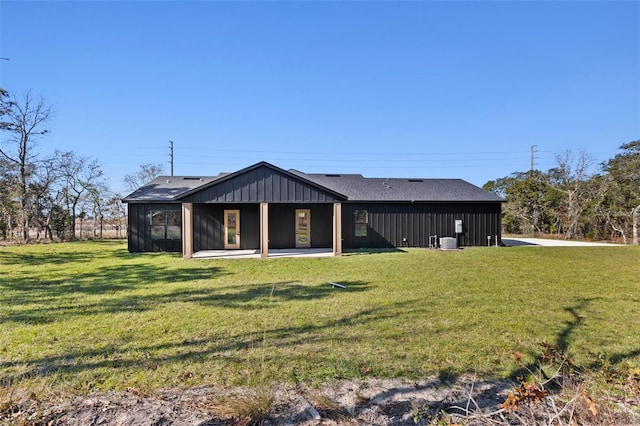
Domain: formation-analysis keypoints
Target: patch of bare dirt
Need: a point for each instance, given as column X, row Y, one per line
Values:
column 375, row 402
column 370, row 402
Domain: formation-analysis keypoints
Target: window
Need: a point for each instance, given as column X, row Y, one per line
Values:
column 166, row 224
column 361, row 217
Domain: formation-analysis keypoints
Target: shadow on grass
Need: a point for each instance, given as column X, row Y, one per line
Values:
column 37, row 295
column 261, row 295
column 58, row 281
column 231, row 349
column 355, row 252
column 54, row 307
column 60, row 253
column 51, row 293
column 563, row 340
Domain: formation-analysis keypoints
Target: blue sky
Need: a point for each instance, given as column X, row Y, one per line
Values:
column 386, row 89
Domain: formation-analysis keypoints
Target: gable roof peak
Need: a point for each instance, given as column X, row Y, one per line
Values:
column 301, row 177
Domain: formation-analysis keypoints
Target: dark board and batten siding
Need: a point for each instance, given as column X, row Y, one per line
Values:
column 411, row 224
column 208, row 226
column 389, row 224
column 262, row 185
column 139, row 228
column 282, row 219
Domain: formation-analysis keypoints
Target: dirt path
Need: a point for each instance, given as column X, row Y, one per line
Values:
column 371, row 402
column 374, row 402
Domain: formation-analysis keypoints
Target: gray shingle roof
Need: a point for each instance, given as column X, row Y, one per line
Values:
column 359, row 188
column 354, row 186
column 168, row 188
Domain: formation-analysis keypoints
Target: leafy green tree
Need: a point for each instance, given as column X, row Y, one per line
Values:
column 624, row 189
column 527, row 208
column 571, row 179
column 511, row 222
column 60, row 220
column 595, row 221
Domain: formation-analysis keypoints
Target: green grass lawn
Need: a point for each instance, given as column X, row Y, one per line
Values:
column 89, row 315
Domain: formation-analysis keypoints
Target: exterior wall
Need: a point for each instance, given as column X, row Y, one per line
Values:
column 262, row 185
column 139, row 228
column 282, row 225
column 208, row 226
column 411, row 224
column 388, row 224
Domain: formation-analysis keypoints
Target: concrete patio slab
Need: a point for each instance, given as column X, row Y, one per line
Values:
column 255, row 254
column 543, row 242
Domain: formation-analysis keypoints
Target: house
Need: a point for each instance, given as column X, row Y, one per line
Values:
column 264, row 207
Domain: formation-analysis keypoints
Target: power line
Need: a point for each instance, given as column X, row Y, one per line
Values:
column 454, row 159
column 359, row 153
column 358, row 166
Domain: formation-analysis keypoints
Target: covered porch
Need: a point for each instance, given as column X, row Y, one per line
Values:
column 271, row 230
column 261, row 208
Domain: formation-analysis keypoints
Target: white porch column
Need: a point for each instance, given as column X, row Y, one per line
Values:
column 264, row 229
column 337, row 229
column 187, row 230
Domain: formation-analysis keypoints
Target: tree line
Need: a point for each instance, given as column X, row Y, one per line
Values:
column 48, row 196
column 572, row 201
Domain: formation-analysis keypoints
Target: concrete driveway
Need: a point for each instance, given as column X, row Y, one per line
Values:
column 542, row 242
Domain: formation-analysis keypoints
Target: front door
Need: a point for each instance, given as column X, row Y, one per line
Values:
column 232, row 229
column 303, row 228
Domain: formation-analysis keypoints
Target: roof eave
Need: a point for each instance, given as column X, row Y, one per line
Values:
column 366, row 200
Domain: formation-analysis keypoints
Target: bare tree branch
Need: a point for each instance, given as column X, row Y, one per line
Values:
column 24, row 125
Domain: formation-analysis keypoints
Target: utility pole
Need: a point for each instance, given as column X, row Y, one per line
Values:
column 533, row 156
column 171, row 155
